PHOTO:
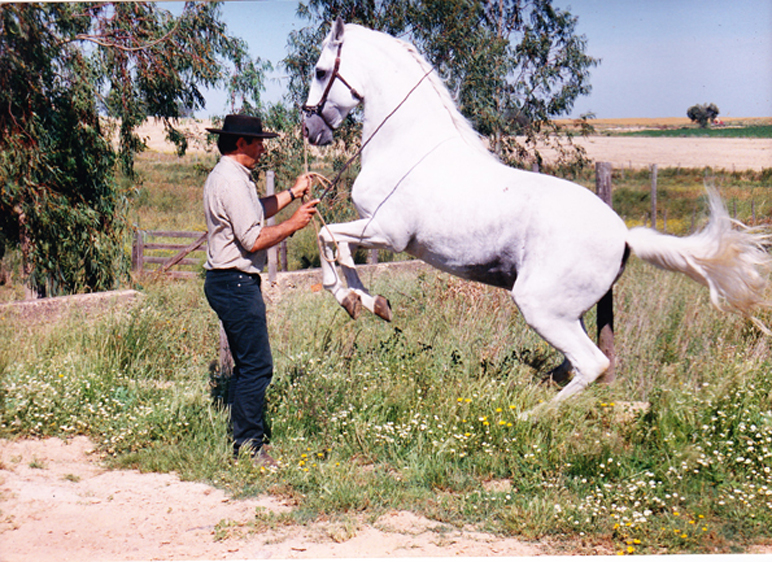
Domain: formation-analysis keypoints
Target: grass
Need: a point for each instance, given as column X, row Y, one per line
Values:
column 422, row 414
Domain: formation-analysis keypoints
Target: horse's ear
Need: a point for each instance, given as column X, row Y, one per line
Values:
column 337, row 30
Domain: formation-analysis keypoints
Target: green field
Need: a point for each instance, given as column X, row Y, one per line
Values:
column 747, row 132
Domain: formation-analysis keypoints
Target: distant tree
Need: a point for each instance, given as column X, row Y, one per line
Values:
column 62, row 67
column 512, row 65
column 703, row 114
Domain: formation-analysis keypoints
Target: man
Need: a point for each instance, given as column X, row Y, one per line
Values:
column 236, row 253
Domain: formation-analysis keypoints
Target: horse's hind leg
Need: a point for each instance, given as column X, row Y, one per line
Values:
column 562, row 372
column 564, row 332
column 336, row 242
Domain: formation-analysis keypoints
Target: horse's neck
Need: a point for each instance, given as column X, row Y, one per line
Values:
column 417, row 125
column 404, row 107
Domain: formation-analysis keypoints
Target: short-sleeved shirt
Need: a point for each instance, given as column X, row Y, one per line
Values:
column 234, row 218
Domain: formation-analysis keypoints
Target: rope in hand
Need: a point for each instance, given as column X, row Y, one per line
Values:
column 317, row 178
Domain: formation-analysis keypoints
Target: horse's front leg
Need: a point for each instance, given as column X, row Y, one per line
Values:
column 337, row 241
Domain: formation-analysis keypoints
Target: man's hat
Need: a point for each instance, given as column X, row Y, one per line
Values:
column 243, row 126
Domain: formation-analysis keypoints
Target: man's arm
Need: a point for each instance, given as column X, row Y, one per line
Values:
column 272, row 235
column 275, row 203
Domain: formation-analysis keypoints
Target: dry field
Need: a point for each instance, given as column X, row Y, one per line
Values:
column 629, row 152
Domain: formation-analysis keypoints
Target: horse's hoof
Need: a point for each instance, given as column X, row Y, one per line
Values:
column 382, row 308
column 353, row 305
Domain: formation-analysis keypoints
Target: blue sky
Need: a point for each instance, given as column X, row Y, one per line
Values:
column 658, row 57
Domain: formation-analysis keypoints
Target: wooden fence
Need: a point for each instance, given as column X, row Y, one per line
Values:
column 153, row 247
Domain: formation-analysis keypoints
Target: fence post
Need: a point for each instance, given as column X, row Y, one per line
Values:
column 138, row 252
column 605, row 307
column 283, row 246
column 272, row 251
column 654, row 196
column 226, row 359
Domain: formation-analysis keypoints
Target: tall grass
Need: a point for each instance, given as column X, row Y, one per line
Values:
column 422, row 413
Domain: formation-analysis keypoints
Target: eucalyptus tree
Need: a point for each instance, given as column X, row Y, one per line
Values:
column 69, row 73
column 514, row 66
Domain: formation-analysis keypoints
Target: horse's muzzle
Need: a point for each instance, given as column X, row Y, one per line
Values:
column 316, row 130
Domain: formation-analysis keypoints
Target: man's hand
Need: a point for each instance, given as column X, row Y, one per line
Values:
column 302, row 185
column 304, row 214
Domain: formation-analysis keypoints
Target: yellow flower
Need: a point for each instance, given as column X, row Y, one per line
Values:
column 499, row 410
column 630, row 549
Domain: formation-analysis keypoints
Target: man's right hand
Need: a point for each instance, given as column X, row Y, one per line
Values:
column 305, row 213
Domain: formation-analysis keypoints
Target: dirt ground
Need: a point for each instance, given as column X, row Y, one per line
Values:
column 628, row 152
column 58, row 503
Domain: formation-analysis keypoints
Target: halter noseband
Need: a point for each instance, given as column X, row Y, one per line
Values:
column 319, row 107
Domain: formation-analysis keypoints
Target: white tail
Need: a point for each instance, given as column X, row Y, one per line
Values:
column 728, row 257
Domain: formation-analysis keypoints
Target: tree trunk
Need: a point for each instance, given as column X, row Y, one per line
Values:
column 25, row 243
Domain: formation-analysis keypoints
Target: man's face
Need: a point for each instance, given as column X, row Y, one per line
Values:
column 252, row 149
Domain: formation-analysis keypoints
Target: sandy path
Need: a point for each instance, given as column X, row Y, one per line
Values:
column 57, row 503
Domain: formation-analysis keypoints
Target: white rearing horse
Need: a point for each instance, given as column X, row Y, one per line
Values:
column 429, row 187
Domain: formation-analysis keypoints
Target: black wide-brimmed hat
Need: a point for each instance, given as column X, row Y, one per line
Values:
column 243, row 126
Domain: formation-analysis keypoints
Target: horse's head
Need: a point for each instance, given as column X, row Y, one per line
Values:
column 334, row 97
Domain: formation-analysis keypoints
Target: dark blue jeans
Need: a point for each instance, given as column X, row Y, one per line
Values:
column 236, row 298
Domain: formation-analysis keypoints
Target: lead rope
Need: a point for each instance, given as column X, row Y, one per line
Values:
column 323, row 181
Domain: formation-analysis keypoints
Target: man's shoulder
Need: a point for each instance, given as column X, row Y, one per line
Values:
column 229, row 170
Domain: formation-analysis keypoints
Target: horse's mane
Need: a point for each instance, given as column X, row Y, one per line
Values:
column 462, row 124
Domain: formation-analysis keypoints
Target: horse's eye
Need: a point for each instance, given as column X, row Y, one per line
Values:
column 320, row 74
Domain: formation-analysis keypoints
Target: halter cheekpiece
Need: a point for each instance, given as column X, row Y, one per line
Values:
column 319, row 107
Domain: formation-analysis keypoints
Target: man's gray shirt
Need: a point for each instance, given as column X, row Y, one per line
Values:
column 234, row 218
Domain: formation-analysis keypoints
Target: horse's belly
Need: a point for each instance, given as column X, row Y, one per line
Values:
column 490, row 269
